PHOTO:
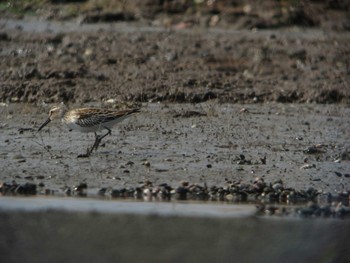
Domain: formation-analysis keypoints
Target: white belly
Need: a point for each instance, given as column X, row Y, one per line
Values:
column 75, row 127
column 94, row 128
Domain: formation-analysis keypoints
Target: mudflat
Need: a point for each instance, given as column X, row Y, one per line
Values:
column 207, row 143
column 244, row 102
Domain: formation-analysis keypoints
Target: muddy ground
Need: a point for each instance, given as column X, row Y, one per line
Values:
column 142, row 63
column 46, row 63
column 230, row 91
column 175, row 51
column 207, row 143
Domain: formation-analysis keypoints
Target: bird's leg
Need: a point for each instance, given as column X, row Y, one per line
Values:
column 99, row 138
column 97, row 142
column 89, row 151
column 109, row 132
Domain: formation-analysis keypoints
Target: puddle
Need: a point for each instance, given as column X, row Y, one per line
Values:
column 67, row 230
column 188, row 209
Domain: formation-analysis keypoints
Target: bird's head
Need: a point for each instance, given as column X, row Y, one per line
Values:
column 54, row 113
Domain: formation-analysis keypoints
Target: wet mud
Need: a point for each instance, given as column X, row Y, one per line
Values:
column 222, row 109
column 208, row 144
column 242, row 102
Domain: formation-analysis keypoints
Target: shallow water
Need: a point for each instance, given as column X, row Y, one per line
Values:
column 187, row 209
column 156, row 233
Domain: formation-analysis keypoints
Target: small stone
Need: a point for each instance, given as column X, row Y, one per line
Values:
column 338, row 174
column 308, row 166
column 314, row 149
column 277, row 186
column 48, row 192
column 81, row 189
column 181, row 193
column 18, row 157
column 26, row 189
column 102, row 191
column 229, row 197
column 147, row 163
column 147, row 192
column 243, row 110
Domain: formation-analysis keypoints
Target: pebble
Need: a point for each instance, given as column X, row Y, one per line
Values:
column 147, row 163
column 18, row 156
column 308, row 166
column 80, row 189
column 269, row 197
column 316, row 149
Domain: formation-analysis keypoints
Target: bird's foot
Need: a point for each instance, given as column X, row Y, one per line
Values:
column 83, row 155
column 87, row 154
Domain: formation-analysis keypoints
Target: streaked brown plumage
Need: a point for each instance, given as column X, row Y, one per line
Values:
column 89, row 120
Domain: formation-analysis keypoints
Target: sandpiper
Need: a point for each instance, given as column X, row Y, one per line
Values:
column 89, row 120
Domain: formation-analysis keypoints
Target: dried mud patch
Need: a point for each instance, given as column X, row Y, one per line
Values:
column 173, row 65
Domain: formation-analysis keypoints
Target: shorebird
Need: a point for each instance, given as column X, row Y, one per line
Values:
column 89, row 120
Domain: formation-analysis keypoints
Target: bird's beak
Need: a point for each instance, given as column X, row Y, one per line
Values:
column 44, row 124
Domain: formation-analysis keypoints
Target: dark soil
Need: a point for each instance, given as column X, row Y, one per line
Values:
column 255, row 52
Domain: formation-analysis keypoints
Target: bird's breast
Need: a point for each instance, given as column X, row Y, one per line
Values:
column 74, row 124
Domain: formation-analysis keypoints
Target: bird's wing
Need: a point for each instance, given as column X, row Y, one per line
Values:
column 92, row 116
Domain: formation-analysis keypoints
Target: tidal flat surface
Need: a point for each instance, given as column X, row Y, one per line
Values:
column 249, row 59
column 207, row 143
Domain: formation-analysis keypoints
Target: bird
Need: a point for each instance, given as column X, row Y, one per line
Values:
column 89, row 120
